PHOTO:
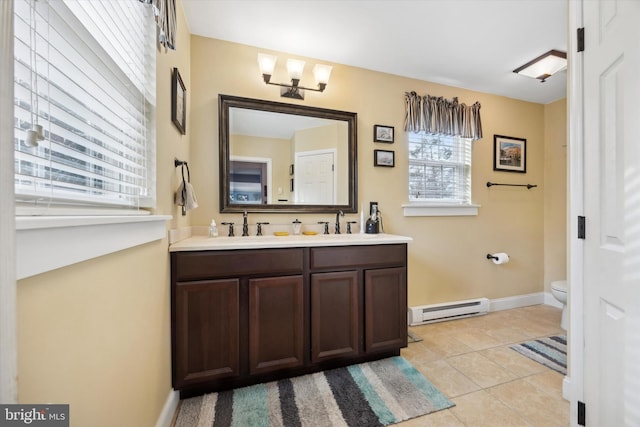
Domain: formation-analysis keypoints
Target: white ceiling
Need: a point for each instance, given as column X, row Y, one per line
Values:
column 472, row 44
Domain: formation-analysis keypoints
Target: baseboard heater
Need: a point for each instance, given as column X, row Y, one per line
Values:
column 447, row 311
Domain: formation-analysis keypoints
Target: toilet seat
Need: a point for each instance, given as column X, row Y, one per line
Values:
column 559, row 286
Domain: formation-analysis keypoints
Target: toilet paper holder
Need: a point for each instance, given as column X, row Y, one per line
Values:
column 499, row 258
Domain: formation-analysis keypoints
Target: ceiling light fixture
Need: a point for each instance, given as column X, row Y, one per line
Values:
column 544, row 66
column 295, row 68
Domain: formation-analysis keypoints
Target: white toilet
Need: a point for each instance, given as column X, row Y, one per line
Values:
column 559, row 291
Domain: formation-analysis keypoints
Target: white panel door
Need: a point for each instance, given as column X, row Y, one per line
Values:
column 612, row 204
column 314, row 178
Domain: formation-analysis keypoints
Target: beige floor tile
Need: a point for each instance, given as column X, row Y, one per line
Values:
column 514, row 362
column 548, row 381
column 508, row 334
column 418, row 352
column 537, row 406
column 480, row 409
column 475, row 338
column 443, row 344
column 437, row 419
column 447, row 379
column 481, row 370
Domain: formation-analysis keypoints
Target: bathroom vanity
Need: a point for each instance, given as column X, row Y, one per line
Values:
column 246, row 310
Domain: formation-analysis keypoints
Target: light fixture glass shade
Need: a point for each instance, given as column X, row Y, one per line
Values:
column 322, row 73
column 267, row 63
column 544, row 66
column 295, row 68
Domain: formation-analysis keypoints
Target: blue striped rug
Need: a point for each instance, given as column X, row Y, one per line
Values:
column 370, row 394
column 551, row 352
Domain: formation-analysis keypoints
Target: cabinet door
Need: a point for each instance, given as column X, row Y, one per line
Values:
column 275, row 323
column 385, row 293
column 206, row 331
column 334, row 315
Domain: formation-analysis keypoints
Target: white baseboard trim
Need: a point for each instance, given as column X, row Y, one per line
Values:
column 517, row 301
column 169, row 409
column 566, row 388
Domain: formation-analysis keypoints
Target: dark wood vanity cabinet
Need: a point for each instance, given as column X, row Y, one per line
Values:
column 385, row 305
column 207, row 319
column 246, row 316
column 275, row 323
column 335, row 315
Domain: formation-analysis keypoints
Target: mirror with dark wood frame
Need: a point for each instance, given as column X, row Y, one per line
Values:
column 278, row 157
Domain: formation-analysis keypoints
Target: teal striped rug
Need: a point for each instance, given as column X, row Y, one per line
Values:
column 551, row 352
column 370, row 394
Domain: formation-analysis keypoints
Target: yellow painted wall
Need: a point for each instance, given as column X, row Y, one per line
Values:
column 96, row 335
column 278, row 150
column 447, row 258
column 555, row 195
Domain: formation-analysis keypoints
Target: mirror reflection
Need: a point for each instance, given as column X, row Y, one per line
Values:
column 283, row 157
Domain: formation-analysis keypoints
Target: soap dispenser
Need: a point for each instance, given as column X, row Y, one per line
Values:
column 213, row 229
column 297, row 225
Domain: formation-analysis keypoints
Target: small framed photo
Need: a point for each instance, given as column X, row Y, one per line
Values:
column 383, row 134
column 509, row 154
column 178, row 102
column 384, row 158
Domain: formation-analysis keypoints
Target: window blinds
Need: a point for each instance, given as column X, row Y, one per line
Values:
column 439, row 168
column 85, row 71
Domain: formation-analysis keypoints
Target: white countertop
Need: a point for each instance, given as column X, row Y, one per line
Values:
column 204, row 243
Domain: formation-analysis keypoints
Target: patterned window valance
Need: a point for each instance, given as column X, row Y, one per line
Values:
column 165, row 12
column 432, row 114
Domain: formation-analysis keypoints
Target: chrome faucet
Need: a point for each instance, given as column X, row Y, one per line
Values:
column 245, row 224
column 338, row 215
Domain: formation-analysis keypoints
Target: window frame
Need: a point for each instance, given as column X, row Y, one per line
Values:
column 52, row 237
column 443, row 207
column 128, row 198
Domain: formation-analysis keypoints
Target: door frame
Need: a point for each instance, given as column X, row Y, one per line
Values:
column 265, row 160
column 573, row 386
column 8, row 285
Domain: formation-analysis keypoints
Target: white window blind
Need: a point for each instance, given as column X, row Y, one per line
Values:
column 85, row 71
column 439, row 168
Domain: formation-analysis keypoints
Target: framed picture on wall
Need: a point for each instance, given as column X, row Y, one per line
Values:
column 383, row 134
column 178, row 102
column 509, row 154
column 384, row 158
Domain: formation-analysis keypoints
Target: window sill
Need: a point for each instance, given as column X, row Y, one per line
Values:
column 45, row 243
column 443, row 209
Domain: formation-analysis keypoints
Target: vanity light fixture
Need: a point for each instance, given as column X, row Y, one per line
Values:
column 544, row 66
column 295, row 68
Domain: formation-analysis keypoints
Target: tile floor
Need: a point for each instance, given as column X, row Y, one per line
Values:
column 470, row 361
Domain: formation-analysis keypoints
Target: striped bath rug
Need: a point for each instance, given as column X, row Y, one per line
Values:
column 370, row 394
column 551, row 352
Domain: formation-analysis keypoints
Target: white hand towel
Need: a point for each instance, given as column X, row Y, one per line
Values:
column 190, row 201
column 180, row 193
column 186, row 196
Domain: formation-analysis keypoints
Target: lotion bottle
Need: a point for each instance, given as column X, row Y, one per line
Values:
column 213, row 229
